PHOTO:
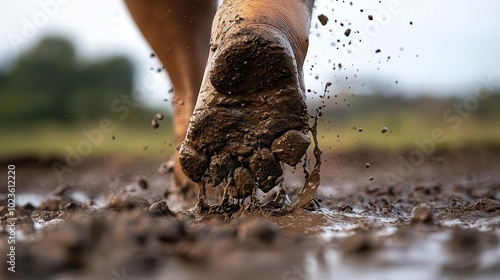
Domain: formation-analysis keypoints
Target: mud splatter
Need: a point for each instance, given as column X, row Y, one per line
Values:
column 308, row 191
column 323, row 19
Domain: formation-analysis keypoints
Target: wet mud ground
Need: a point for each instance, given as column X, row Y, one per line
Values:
column 441, row 220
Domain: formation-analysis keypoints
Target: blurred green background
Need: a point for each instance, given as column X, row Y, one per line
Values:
column 50, row 95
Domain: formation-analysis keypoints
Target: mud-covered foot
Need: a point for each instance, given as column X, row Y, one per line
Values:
column 250, row 114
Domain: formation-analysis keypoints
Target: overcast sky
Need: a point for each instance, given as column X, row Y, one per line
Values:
column 446, row 48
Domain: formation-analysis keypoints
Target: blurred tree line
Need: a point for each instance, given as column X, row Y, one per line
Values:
column 346, row 106
column 50, row 83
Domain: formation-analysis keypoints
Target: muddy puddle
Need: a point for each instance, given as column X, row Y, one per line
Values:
column 443, row 222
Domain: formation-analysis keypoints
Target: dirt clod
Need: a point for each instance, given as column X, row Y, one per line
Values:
column 266, row 169
column 160, row 209
column 422, row 214
column 220, row 166
column 155, row 124
column 193, row 163
column 290, row 147
column 323, row 19
column 28, row 207
column 244, row 183
column 258, row 232
column 484, row 204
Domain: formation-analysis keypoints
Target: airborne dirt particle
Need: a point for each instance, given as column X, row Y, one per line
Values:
column 383, row 129
column 323, row 19
column 347, row 32
column 155, row 124
column 370, row 17
column 159, row 116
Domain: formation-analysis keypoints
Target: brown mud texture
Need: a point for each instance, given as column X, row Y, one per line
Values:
column 113, row 220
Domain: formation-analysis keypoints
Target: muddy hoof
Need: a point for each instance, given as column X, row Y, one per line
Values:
column 252, row 97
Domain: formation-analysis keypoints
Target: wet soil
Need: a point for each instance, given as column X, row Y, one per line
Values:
column 114, row 220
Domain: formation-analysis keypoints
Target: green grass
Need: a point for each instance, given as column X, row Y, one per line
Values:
column 51, row 139
column 404, row 129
